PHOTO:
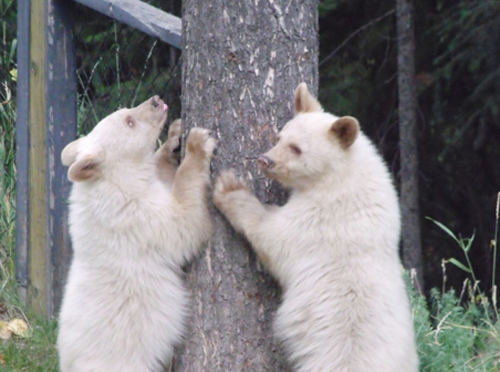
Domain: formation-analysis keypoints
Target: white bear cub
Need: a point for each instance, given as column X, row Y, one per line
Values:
column 333, row 247
column 125, row 306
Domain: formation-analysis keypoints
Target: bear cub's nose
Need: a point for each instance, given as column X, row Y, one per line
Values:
column 265, row 162
column 155, row 102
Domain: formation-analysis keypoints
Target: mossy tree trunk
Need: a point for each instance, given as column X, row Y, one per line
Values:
column 242, row 61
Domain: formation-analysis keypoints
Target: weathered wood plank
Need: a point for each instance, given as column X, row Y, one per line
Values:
column 22, row 147
column 38, row 254
column 61, row 129
column 46, row 123
column 142, row 16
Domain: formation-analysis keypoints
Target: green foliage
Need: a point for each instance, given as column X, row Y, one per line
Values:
column 465, row 245
column 456, row 335
column 462, row 133
column 458, row 80
column 120, row 67
column 325, row 6
column 469, row 34
column 349, row 90
column 7, row 143
column 358, row 63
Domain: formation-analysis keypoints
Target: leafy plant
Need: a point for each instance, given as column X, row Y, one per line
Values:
column 461, row 333
column 456, row 336
column 8, row 77
column 465, row 244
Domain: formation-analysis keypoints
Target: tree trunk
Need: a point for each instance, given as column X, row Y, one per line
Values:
column 410, row 211
column 242, row 61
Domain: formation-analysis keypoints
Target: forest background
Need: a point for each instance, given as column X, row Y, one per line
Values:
column 457, row 59
column 457, row 44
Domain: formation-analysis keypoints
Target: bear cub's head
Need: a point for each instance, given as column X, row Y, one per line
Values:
column 127, row 136
column 312, row 146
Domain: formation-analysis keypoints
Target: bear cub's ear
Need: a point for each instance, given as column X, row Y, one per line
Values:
column 304, row 101
column 86, row 168
column 69, row 153
column 346, row 129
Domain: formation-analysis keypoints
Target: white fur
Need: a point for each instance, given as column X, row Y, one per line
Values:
column 333, row 248
column 125, row 305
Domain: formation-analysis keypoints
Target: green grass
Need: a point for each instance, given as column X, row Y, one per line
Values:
column 455, row 335
column 459, row 333
column 35, row 353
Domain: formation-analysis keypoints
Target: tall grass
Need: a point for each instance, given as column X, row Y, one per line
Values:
column 8, row 74
column 459, row 333
column 7, row 192
column 454, row 334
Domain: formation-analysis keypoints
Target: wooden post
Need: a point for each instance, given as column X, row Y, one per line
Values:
column 38, row 294
column 22, row 147
column 46, row 123
column 61, row 128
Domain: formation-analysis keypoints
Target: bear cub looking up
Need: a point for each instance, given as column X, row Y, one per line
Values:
column 135, row 219
column 333, row 247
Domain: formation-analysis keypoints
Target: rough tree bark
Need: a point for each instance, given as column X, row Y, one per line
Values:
column 242, row 61
column 408, row 177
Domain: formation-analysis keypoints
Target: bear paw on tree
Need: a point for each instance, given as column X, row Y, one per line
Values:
column 226, row 183
column 173, row 141
column 200, row 144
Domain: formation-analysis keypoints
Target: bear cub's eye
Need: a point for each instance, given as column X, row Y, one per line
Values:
column 130, row 122
column 296, row 149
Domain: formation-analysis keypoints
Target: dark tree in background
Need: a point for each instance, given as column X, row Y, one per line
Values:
column 408, row 151
column 242, row 61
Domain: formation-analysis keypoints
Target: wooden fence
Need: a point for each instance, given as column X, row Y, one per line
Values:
column 46, row 122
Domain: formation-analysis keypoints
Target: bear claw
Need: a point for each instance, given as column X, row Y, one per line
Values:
column 175, row 129
column 199, row 142
column 228, row 181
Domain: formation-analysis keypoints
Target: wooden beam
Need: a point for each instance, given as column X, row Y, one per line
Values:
column 142, row 16
column 46, row 123
column 61, row 119
column 38, row 294
column 22, row 147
